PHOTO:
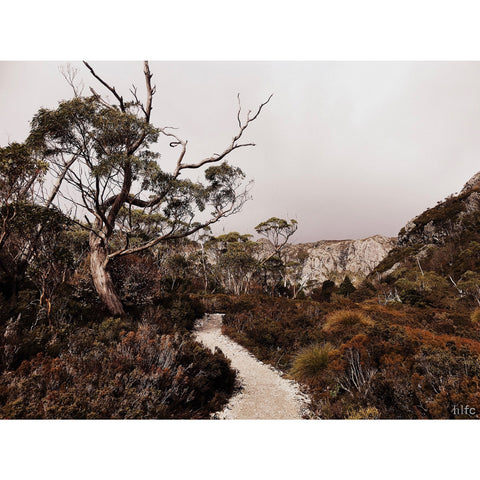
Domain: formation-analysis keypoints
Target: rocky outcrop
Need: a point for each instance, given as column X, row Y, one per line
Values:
column 473, row 182
column 444, row 221
column 428, row 233
column 334, row 259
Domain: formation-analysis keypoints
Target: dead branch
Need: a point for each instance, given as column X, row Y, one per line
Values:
column 234, row 145
column 106, row 85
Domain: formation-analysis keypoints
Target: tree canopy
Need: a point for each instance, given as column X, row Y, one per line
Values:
column 110, row 180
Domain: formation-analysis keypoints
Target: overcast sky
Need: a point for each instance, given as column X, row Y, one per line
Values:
column 349, row 149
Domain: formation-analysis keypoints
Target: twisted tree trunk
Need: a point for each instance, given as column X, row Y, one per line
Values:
column 101, row 277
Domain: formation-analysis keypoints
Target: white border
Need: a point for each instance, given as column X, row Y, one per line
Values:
column 253, row 30
column 246, row 30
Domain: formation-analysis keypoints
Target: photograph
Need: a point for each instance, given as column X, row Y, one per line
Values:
column 239, row 240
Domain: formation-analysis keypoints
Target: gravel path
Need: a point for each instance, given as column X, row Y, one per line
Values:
column 264, row 393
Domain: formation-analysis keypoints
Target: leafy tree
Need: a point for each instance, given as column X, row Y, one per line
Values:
column 346, row 287
column 469, row 284
column 55, row 258
column 20, row 172
column 278, row 231
column 114, row 184
column 20, row 177
column 34, row 233
column 235, row 261
column 295, row 273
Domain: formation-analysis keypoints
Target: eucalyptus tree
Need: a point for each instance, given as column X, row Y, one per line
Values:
column 277, row 231
column 235, row 261
column 20, row 173
column 113, row 184
column 26, row 221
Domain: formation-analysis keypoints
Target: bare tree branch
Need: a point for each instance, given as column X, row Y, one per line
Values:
column 106, row 85
column 69, row 74
column 232, row 146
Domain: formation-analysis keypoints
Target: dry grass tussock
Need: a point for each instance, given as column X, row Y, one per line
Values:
column 346, row 319
column 311, row 361
column 475, row 317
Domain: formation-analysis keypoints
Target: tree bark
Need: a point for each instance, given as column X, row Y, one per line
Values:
column 101, row 277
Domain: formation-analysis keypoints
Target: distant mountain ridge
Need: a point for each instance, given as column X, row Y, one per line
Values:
column 334, row 259
column 439, row 232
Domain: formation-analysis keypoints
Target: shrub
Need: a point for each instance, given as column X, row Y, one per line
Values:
column 143, row 374
column 368, row 413
column 323, row 294
column 346, row 287
column 137, row 279
column 173, row 313
column 311, row 361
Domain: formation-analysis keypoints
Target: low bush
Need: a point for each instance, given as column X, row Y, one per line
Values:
column 368, row 413
column 141, row 374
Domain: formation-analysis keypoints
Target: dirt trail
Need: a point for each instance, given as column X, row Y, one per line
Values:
column 264, row 393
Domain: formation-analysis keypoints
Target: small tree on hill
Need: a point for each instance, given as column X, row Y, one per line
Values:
column 346, row 287
column 328, row 288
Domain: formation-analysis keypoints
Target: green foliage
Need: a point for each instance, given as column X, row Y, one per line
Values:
column 448, row 209
column 346, row 287
column 233, row 237
column 234, row 261
column 223, row 181
column 395, row 255
column 19, row 168
column 52, row 130
column 277, row 230
column 470, row 285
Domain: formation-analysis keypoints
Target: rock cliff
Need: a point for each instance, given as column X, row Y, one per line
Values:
column 334, row 259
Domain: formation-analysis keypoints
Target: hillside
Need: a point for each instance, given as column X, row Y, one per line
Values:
column 405, row 344
column 444, row 239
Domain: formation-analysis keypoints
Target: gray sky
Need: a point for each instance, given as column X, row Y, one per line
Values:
column 349, row 149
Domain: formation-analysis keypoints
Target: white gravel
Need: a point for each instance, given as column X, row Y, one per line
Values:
column 264, row 394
